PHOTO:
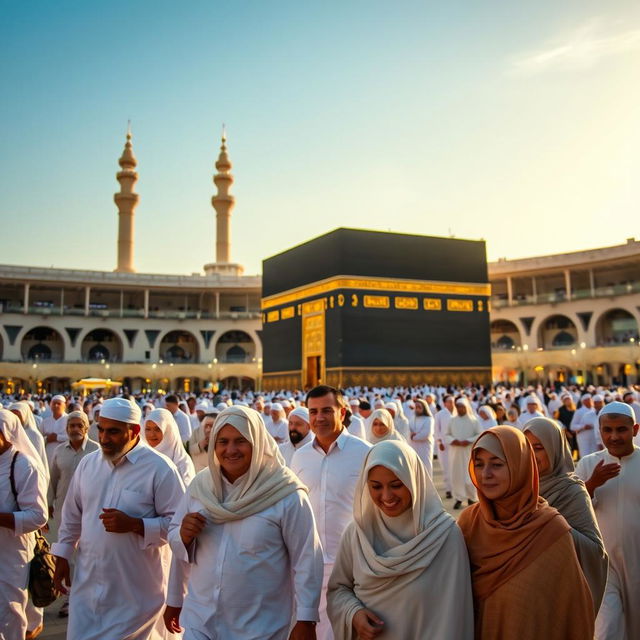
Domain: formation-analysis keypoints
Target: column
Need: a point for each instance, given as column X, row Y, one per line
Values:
column 87, row 298
column 534, row 289
column 592, row 283
column 121, row 303
column 567, row 283
column 217, row 304
column 25, row 305
column 62, row 301
column 509, row 290
column 146, row 303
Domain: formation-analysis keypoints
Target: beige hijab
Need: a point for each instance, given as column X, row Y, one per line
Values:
column 424, row 532
column 563, row 490
column 267, row 481
column 385, row 417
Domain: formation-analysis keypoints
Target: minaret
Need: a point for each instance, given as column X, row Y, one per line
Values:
column 126, row 201
column 223, row 202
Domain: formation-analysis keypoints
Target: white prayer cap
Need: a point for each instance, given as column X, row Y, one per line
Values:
column 267, row 405
column 391, row 405
column 461, row 400
column 283, row 404
column 379, row 403
column 597, row 398
column 276, row 406
column 203, row 406
column 302, row 413
column 585, row 396
column 531, row 399
column 122, row 410
column 354, row 402
column 622, row 408
column 60, row 398
column 221, row 406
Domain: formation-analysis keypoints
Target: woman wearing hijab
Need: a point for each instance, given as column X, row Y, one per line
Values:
column 19, row 517
column 402, row 551
column 487, row 417
column 28, row 421
column 245, row 535
column 519, row 546
column 564, row 491
column 421, row 433
column 381, row 427
column 161, row 433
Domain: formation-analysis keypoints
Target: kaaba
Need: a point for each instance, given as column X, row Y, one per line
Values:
column 355, row 307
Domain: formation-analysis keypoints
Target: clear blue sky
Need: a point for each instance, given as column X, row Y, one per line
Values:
column 514, row 122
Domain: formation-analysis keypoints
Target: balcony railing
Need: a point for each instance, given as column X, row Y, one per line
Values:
column 498, row 302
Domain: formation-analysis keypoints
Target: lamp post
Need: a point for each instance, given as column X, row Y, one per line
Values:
column 583, row 362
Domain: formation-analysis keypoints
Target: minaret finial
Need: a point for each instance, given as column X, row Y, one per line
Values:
column 129, row 129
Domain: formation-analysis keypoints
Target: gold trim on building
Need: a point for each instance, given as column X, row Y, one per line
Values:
column 376, row 302
column 376, row 284
column 454, row 304
column 432, row 304
column 403, row 302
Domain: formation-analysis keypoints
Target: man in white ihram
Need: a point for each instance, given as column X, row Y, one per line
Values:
column 117, row 513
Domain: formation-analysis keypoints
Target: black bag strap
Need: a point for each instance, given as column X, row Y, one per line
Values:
column 12, row 479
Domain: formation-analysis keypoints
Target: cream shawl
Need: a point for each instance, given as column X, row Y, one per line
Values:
column 422, row 559
column 267, row 481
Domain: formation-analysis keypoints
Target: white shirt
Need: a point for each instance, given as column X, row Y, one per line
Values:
column 184, row 424
column 59, row 427
column 244, row 576
column 617, row 507
column 287, row 448
column 279, row 431
column 442, row 419
column 118, row 581
column 331, row 478
column 356, row 427
column 16, row 546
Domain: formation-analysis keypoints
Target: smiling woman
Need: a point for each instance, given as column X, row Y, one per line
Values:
column 517, row 545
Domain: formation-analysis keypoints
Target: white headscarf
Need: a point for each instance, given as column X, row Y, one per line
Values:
column 490, row 421
column 385, row 417
column 171, row 444
column 426, row 528
column 17, row 436
column 26, row 415
column 267, row 481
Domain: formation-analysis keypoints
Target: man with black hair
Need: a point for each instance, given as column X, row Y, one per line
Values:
column 329, row 466
column 182, row 419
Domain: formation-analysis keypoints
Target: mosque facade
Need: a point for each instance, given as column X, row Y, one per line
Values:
column 553, row 318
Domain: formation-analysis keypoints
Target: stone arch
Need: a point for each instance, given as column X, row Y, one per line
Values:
column 42, row 344
column 557, row 331
column 180, row 346
column 505, row 335
column 101, row 344
column 616, row 326
column 235, row 346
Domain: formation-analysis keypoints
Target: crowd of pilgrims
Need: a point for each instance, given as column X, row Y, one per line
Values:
column 291, row 515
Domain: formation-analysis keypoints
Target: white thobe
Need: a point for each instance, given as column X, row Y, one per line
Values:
column 617, row 507
column 279, row 431
column 248, row 578
column 16, row 545
column 356, row 427
column 525, row 416
column 442, row 419
column 584, row 424
column 287, row 448
column 118, row 584
column 184, row 424
column 59, row 427
column 462, row 428
column 421, row 428
column 331, row 478
column 38, row 442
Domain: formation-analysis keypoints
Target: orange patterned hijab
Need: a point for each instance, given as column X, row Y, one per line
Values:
column 500, row 546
